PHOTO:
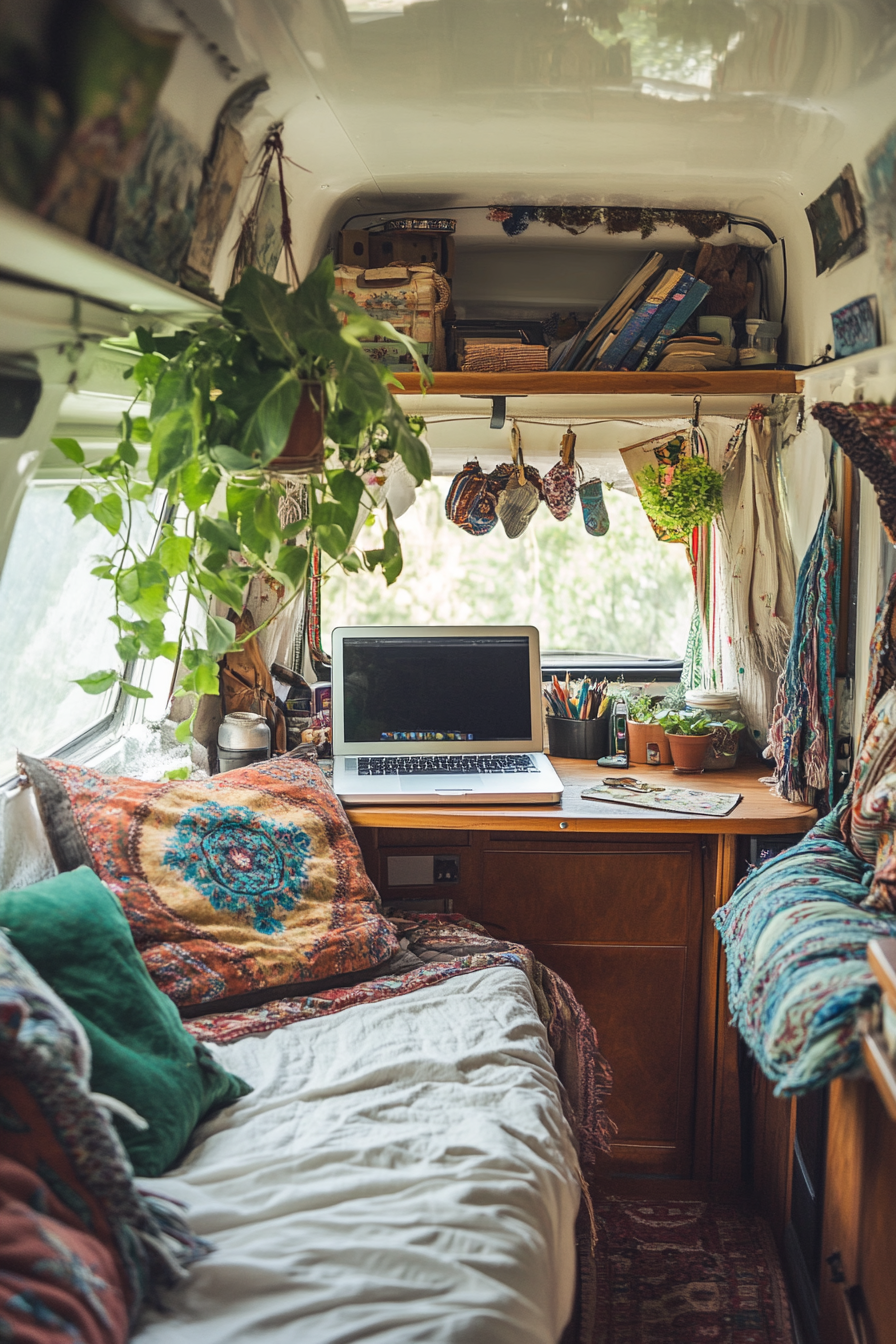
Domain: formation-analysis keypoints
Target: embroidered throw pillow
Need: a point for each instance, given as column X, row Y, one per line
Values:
column 869, row 823
column 238, row 889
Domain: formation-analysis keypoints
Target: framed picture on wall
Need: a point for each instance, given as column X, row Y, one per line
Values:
column 837, row 221
column 856, row 327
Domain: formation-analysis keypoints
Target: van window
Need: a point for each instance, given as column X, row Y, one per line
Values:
column 623, row 593
column 54, row 625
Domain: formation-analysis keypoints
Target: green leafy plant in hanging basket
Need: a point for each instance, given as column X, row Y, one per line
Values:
column 682, row 497
column 223, row 401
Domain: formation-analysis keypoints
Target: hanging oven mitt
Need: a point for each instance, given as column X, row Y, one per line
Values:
column 594, row 509
column 470, row 502
column 560, row 482
column 519, row 499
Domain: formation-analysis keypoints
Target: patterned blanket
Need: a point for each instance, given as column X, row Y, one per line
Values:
column 799, row 984
column 435, row 948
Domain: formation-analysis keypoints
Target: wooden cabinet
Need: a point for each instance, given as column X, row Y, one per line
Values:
column 858, row 1288
column 621, row 922
column 618, row 901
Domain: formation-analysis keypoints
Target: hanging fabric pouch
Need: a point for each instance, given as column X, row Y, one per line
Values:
column 470, row 502
column 594, row 508
column 518, row 500
column 560, row 482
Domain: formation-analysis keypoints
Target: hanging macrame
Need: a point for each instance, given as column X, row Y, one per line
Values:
column 246, row 250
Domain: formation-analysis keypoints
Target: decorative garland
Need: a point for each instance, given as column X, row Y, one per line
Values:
column 576, row 219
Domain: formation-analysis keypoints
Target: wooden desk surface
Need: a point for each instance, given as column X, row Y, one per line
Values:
column 758, row 812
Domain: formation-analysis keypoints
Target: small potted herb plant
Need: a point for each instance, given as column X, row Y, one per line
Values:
column 689, row 733
column 644, row 730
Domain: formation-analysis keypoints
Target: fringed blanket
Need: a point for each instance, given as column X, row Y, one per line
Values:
column 799, row 984
column 51, row 1124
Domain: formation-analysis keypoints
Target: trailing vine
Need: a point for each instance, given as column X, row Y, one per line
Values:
column 222, row 401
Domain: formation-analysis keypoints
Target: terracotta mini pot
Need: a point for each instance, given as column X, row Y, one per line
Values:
column 639, row 734
column 689, row 751
column 303, row 451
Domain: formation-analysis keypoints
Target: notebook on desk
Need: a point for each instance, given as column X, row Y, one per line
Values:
column 439, row 714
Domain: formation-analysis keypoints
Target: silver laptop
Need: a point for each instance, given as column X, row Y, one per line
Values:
column 439, row 714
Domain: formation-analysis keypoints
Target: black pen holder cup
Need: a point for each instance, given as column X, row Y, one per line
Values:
column 581, row 739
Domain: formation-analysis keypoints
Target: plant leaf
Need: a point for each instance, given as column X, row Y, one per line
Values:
column 265, row 516
column 205, row 680
column 332, row 539
column 219, row 533
column 128, row 453
column 174, row 554
column 292, row 563
column 138, row 692
column 97, row 683
column 197, row 486
column 173, row 391
column 128, row 648
column 263, row 304
column 232, row 459
column 266, row 429
column 80, row 501
column 71, row 449
column 140, row 430
column 182, row 771
column 108, row 511
column 172, row 443
column 220, row 635
column 184, row 730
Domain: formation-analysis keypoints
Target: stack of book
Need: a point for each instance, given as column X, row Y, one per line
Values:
column 633, row 330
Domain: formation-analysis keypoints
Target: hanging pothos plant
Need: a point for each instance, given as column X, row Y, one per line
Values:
column 681, row 497
column 223, row 399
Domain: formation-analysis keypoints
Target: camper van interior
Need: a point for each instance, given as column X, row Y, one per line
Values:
column 448, row 733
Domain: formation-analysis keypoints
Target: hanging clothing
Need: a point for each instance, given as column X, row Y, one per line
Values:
column 760, row 577
column 801, row 738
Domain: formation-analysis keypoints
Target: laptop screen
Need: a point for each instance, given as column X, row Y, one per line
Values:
column 435, row 688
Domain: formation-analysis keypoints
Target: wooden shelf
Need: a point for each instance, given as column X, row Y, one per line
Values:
column 40, row 253
column 739, row 382
column 883, row 1073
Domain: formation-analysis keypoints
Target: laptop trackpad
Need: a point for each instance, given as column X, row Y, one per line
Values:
column 439, row 784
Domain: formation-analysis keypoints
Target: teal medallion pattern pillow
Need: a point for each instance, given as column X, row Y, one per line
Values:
column 73, row 932
column 239, row 888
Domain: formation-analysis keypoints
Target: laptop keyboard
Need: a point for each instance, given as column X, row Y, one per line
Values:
column 447, row 765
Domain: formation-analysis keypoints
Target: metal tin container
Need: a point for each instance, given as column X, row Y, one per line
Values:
column 243, row 739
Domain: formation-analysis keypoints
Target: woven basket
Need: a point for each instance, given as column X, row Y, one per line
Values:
column 487, row 358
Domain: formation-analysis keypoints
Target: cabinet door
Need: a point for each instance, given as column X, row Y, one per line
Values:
column 622, row 924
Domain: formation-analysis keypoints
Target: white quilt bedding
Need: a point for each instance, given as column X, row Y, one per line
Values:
column 402, row 1172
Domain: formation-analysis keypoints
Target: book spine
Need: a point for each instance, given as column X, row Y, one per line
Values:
column 680, row 314
column 657, row 322
column 628, row 335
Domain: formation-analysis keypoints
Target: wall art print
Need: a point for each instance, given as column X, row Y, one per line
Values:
column 856, row 327
column 837, row 221
column 881, row 177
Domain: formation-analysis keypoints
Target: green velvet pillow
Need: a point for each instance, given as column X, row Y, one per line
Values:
column 73, row 931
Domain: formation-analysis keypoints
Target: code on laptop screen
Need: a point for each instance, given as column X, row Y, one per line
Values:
column 436, row 689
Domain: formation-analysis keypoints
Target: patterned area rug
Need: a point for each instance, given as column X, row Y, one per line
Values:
column 689, row 1271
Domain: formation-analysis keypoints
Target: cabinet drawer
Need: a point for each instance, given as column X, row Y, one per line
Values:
column 607, row 895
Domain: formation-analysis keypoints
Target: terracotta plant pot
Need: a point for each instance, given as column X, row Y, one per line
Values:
column 303, row 451
column 639, row 734
column 689, row 751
